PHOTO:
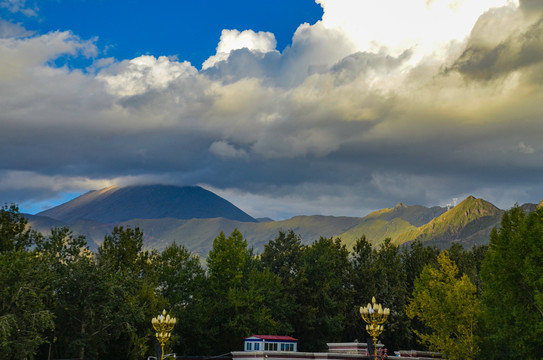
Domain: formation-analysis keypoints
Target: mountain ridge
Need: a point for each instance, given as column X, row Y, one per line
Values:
column 468, row 223
column 472, row 216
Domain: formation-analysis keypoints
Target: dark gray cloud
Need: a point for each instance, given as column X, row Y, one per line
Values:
column 486, row 60
column 531, row 5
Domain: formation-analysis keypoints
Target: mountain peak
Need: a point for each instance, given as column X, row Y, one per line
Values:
column 416, row 215
column 122, row 203
column 471, row 213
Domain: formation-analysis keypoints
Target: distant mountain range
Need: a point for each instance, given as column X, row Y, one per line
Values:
column 193, row 216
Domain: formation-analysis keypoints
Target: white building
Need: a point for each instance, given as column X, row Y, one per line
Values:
column 270, row 343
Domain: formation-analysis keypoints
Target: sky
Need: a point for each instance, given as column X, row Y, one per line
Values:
column 333, row 107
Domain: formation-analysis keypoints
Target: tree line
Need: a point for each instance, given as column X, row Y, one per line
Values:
column 60, row 300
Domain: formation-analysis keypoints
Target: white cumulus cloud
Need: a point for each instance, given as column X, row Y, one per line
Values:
column 257, row 42
column 145, row 73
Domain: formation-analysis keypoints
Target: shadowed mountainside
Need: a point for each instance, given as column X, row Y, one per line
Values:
column 117, row 204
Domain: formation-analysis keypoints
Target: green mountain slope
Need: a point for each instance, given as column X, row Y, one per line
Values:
column 416, row 215
column 376, row 231
column 197, row 234
column 390, row 223
column 469, row 223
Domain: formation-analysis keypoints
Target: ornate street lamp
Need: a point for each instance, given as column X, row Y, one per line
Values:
column 163, row 325
column 374, row 315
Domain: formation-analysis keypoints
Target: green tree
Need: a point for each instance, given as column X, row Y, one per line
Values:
column 512, row 275
column 14, row 232
column 130, row 271
column 181, row 281
column 122, row 250
column 283, row 257
column 25, row 317
column 379, row 273
column 448, row 305
column 364, row 286
column 85, row 298
column 415, row 257
column 469, row 262
column 323, row 292
column 241, row 296
column 390, row 279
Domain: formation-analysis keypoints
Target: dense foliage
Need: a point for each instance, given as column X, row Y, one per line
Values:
column 60, row 300
column 449, row 306
column 512, row 274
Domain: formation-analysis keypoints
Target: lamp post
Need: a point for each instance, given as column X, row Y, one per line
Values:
column 375, row 315
column 163, row 325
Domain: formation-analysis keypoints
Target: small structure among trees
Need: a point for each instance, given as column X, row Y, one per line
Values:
column 270, row 343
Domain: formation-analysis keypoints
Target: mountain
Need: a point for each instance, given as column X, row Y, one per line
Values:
column 469, row 223
column 156, row 210
column 117, row 204
column 390, row 223
column 197, row 234
column 193, row 217
column 416, row 215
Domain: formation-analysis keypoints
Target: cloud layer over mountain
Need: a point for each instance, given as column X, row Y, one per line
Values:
column 379, row 102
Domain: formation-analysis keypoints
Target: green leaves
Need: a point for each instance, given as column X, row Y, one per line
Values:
column 512, row 275
column 227, row 261
column 448, row 305
column 25, row 290
column 14, row 234
column 241, row 296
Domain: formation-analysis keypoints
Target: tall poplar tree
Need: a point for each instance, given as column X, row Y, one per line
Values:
column 512, row 295
column 448, row 305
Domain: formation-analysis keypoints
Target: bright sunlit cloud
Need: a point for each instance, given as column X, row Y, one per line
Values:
column 397, row 25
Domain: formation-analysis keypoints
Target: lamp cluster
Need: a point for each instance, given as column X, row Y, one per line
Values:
column 374, row 315
column 163, row 325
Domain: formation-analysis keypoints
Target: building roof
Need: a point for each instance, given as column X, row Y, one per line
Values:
column 272, row 337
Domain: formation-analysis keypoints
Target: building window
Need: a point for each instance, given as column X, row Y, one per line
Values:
column 249, row 346
column 287, row 347
column 257, row 346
